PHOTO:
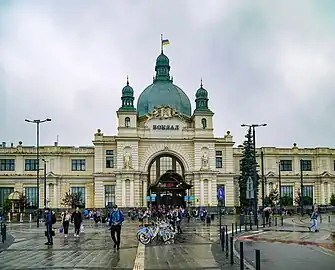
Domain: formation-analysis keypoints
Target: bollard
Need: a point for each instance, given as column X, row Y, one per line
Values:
column 222, row 232
column 328, row 219
column 231, row 250
column 275, row 221
column 232, row 229
column 236, row 227
column 241, row 256
column 4, row 232
column 30, row 218
column 240, row 227
column 8, row 217
column 258, row 259
column 21, row 217
column 320, row 218
column 226, row 241
column 282, row 220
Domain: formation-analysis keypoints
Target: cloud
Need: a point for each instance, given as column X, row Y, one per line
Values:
column 267, row 62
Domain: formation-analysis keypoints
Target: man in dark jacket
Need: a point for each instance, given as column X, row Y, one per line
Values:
column 48, row 224
column 115, row 222
column 76, row 218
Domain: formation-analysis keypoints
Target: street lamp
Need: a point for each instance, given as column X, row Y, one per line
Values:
column 38, row 122
column 45, row 182
column 279, row 183
column 254, row 126
column 301, row 188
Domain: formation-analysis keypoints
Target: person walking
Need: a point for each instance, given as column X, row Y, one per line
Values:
column 49, row 221
column 314, row 218
column 76, row 218
column 66, row 217
column 115, row 222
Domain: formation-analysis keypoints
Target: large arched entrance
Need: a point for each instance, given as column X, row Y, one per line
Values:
column 166, row 181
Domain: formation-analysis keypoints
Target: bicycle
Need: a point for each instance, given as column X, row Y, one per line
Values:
column 148, row 234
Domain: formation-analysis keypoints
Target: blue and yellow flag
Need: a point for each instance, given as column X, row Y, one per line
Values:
column 165, row 42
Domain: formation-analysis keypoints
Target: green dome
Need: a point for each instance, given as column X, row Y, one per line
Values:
column 201, row 93
column 162, row 92
column 127, row 91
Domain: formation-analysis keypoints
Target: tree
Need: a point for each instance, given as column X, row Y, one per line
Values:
column 272, row 199
column 246, row 167
column 332, row 199
column 287, row 200
column 72, row 199
column 307, row 199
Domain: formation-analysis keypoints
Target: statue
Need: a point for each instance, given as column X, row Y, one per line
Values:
column 204, row 161
column 127, row 160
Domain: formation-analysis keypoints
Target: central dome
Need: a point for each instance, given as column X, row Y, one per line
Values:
column 162, row 92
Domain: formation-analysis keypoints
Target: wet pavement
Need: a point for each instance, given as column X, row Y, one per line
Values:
column 196, row 248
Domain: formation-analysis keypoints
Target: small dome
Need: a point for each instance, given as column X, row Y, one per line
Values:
column 127, row 91
column 162, row 60
column 201, row 93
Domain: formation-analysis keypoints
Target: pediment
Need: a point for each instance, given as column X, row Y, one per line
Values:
column 327, row 174
column 270, row 174
column 51, row 174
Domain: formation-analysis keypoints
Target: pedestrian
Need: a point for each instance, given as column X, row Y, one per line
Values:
column 314, row 218
column 50, row 219
column 66, row 217
column 179, row 217
column 115, row 223
column 76, row 218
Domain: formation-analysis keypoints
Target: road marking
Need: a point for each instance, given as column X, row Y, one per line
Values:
column 140, row 257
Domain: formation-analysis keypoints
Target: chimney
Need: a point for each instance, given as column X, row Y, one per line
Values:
column 55, row 143
column 11, row 145
column 3, row 144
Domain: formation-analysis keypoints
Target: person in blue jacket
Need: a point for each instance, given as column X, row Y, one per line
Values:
column 314, row 218
column 48, row 224
column 115, row 223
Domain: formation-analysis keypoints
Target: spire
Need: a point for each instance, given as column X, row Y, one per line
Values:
column 201, row 83
column 201, row 99
column 127, row 80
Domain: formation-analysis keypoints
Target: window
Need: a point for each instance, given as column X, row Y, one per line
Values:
column 286, row 165
column 218, row 159
column 31, row 195
column 81, row 193
column 109, row 195
column 109, row 159
column 308, row 195
column 7, row 165
column 204, row 123
column 4, row 193
column 78, row 164
column 31, row 165
column 306, row 165
column 127, row 122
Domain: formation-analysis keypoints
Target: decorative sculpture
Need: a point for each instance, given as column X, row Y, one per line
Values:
column 127, row 160
column 204, row 161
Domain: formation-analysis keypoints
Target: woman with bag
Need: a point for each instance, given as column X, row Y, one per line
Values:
column 76, row 218
column 66, row 217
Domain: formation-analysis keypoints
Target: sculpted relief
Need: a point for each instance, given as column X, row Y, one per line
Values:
column 127, row 160
column 204, row 159
column 164, row 112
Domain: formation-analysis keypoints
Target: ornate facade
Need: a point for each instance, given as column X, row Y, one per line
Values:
column 159, row 136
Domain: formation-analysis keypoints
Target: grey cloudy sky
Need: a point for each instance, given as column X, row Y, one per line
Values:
column 261, row 61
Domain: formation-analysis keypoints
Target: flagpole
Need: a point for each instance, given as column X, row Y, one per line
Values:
column 162, row 43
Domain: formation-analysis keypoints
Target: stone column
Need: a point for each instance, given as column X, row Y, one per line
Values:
column 132, row 203
column 145, row 190
column 210, row 192
column 55, row 202
column 202, row 193
column 323, row 196
column 123, row 198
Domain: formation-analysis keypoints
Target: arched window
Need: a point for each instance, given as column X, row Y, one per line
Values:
column 204, row 123
column 161, row 165
column 127, row 122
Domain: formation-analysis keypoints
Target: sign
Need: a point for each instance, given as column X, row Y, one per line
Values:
column 165, row 127
column 188, row 198
column 220, row 194
column 153, row 198
column 250, row 189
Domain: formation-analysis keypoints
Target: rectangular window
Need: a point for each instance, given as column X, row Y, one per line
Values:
column 286, row 165
column 31, row 165
column 306, row 165
column 109, row 196
column 218, row 159
column 78, row 165
column 80, row 191
column 109, row 159
column 7, row 165
column 4, row 193
column 31, row 195
column 287, row 195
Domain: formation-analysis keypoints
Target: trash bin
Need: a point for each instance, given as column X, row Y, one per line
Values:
column 208, row 220
column 212, row 216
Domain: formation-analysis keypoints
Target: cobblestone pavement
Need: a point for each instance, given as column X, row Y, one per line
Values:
column 196, row 248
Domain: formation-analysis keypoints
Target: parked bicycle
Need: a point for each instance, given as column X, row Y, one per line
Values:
column 160, row 229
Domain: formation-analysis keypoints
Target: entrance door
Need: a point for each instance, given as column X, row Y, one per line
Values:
column 171, row 197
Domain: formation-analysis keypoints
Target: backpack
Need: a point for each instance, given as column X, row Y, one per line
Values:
column 54, row 220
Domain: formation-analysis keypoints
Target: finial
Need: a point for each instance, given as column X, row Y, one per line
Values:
column 127, row 80
column 162, row 43
column 201, row 83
